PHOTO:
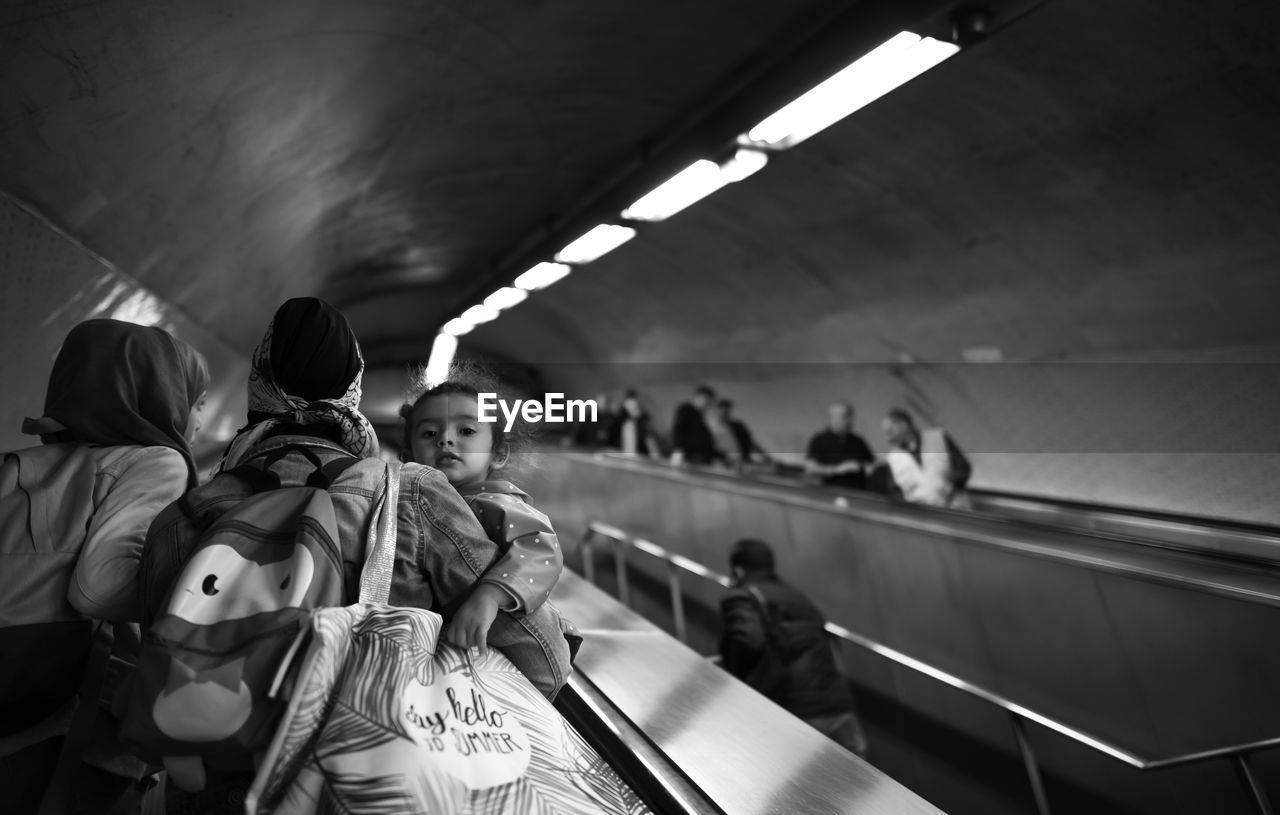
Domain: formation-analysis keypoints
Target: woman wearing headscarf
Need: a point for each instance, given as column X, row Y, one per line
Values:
column 304, row 413
column 73, row 517
column 306, row 381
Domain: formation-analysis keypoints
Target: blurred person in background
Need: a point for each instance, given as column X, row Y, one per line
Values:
column 632, row 430
column 691, row 439
column 927, row 466
column 837, row 455
column 733, row 437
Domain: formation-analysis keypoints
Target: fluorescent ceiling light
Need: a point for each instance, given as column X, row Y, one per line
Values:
column 896, row 61
column 457, row 327
column 479, row 314
column 745, row 163
column 692, row 184
column 505, row 298
column 598, row 242
column 442, row 351
column 542, row 275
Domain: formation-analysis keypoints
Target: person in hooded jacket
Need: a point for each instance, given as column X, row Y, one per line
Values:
column 121, row 404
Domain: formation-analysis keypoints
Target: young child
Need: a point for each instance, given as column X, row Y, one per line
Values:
column 508, row 606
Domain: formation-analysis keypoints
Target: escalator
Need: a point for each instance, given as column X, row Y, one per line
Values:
column 1144, row 633
column 689, row 738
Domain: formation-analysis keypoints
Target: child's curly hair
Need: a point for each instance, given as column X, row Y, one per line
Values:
column 511, row 448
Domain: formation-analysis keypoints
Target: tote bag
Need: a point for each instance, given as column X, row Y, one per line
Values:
column 386, row 718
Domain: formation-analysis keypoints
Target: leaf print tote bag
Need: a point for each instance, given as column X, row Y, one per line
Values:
column 386, row 718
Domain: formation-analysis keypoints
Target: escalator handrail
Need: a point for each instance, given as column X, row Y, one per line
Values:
column 659, row 783
column 794, row 477
column 1209, row 572
column 1254, row 534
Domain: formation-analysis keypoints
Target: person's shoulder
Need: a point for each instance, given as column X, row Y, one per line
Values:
column 411, row 471
column 736, row 595
column 498, row 490
column 120, row 458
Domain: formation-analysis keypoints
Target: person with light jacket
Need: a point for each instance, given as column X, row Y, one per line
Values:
column 121, row 403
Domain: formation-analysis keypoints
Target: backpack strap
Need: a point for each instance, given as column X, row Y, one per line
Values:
column 771, row 635
column 322, row 476
column 261, row 478
column 329, row 473
column 380, row 548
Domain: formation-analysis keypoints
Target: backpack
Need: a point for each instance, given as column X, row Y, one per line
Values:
column 265, row 556
column 769, row 675
column 46, row 504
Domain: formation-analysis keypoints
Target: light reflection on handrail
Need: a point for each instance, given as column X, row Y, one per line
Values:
column 1237, row 753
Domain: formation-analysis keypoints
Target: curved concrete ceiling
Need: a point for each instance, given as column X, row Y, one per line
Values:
column 232, row 153
column 1098, row 177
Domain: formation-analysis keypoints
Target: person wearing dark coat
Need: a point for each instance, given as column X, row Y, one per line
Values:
column 630, row 429
column 775, row 640
column 690, row 436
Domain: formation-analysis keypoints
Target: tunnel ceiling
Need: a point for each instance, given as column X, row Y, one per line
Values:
column 1101, row 176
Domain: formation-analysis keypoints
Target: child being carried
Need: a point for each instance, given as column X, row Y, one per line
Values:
column 507, row 608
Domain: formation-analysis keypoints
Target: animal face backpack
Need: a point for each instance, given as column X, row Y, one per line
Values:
column 265, row 557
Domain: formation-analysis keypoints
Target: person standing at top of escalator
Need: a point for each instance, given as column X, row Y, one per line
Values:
column 775, row 640
column 734, row 437
column 691, row 438
column 927, row 466
column 837, row 455
column 631, row 430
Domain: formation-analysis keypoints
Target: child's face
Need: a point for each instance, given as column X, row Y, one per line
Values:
column 447, row 435
column 195, row 419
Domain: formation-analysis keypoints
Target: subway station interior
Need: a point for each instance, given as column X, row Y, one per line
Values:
column 1051, row 227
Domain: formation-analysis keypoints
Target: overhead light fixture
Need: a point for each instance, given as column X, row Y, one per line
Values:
column 457, row 327
column 442, row 351
column 479, row 314
column 899, row 59
column 744, row 163
column 594, row 244
column 692, row 184
column 542, row 275
column 505, row 298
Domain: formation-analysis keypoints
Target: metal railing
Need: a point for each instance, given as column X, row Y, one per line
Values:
column 1019, row 715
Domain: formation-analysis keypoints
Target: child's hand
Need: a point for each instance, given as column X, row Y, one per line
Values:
column 470, row 625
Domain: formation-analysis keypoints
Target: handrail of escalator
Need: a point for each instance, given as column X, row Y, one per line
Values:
column 1257, row 543
column 1205, row 571
column 1248, row 578
column 659, row 783
column 1019, row 714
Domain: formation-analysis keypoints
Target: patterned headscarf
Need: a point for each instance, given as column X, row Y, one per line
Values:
column 307, row 324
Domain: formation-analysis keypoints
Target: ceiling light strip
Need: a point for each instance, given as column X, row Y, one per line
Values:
column 894, row 62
